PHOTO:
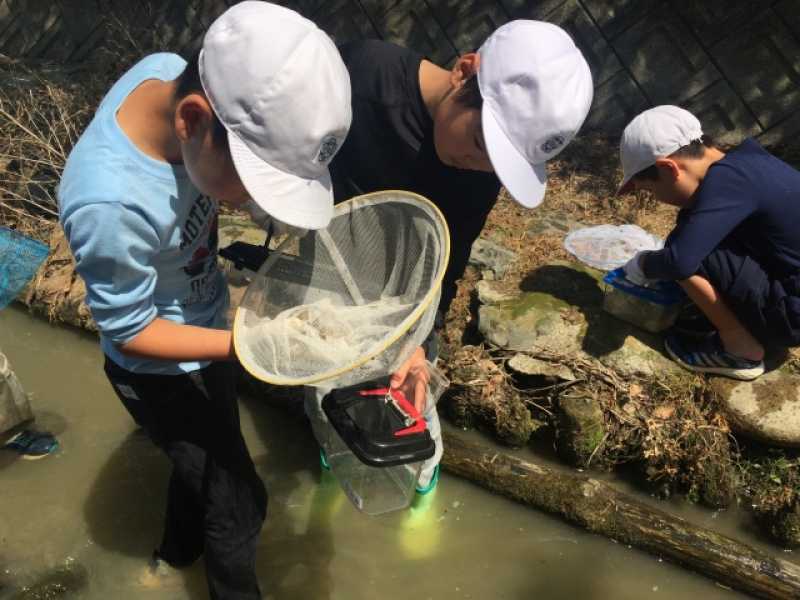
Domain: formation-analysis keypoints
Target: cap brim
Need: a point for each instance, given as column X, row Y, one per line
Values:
column 300, row 202
column 525, row 182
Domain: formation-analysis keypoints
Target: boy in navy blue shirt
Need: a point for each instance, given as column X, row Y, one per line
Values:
column 735, row 248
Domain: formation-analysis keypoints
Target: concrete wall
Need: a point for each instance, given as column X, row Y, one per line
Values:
column 735, row 63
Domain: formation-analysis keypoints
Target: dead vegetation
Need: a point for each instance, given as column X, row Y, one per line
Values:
column 41, row 116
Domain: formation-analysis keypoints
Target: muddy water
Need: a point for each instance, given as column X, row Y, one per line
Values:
column 81, row 523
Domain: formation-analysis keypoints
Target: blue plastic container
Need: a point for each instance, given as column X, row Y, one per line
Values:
column 653, row 308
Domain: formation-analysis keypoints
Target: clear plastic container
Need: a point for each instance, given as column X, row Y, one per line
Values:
column 372, row 490
column 379, row 487
column 653, row 309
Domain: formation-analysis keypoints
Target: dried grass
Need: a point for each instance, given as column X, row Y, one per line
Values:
column 41, row 117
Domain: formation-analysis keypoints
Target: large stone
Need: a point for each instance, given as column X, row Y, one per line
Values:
column 489, row 256
column 523, row 364
column 637, row 358
column 767, row 409
column 560, row 312
column 488, row 294
column 580, row 428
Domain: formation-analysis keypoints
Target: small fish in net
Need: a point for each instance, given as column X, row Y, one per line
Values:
column 322, row 335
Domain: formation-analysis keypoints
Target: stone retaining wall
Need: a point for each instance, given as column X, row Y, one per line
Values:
column 736, row 63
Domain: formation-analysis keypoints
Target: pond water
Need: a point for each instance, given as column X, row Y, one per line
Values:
column 82, row 523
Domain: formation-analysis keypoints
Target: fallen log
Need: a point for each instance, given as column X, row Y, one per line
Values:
column 601, row 509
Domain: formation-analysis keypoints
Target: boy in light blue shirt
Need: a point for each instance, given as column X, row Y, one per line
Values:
column 256, row 115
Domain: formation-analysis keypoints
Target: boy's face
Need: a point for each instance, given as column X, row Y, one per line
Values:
column 208, row 163
column 673, row 186
column 457, row 129
column 458, row 136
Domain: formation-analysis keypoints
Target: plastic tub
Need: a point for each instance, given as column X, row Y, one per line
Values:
column 375, row 444
column 652, row 308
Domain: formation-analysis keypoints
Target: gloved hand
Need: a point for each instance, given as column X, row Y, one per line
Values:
column 633, row 270
column 266, row 221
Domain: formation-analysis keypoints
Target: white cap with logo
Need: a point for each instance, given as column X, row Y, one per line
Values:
column 537, row 90
column 655, row 133
column 280, row 88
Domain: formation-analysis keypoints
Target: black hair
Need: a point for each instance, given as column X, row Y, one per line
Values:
column 694, row 149
column 470, row 94
column 189, row 82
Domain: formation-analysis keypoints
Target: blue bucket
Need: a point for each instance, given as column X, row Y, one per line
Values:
column 20, row 258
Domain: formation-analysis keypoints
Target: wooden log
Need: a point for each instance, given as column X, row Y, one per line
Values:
column 601, row 509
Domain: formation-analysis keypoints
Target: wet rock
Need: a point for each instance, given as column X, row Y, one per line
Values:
column 636, row 358
column 560, row 312
column 767, row 409
column 522, row 364
column 580, row 428
column 491, row 257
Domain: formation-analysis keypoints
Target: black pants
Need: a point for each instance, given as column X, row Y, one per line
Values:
column 768, row 308
column 216, row 501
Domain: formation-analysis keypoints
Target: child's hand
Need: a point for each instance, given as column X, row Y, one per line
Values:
column 412, row 379
column 633, row 270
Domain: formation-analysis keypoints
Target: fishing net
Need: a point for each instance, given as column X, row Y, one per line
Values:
column 20, row 258
column 608, row 247
column 348, row 303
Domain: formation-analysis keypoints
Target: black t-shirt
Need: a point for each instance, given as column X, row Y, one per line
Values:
column 749, row 201
column 390, row 146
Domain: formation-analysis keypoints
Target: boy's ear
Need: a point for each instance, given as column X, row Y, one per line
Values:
column 668, row 168
column 465, row 67
column 193, row 116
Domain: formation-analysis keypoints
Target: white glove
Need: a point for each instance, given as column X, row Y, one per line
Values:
column 266, row 221
column 633, row 270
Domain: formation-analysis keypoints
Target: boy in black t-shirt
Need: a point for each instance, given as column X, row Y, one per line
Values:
column 735, row 248
column 454, row 135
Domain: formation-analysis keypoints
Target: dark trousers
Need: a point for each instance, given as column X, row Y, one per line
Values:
column 769, row 308
column 216, row 501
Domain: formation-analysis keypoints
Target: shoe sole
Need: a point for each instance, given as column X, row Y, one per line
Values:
column 740, row 374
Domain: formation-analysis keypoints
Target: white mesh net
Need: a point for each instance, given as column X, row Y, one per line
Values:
column 608, row 247
column 348, row 303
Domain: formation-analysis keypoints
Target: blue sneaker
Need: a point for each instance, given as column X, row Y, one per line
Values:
column 706, row 355
column 691, row 322
column 32, row 445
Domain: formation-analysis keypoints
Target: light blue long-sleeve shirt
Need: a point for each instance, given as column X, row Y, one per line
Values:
column 143, row 236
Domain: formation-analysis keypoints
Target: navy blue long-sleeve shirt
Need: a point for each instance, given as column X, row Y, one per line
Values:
column 748, row 200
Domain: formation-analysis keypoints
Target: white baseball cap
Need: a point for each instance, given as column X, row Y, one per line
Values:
column 655, row 133
column 280, row 88
column 537, row 90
